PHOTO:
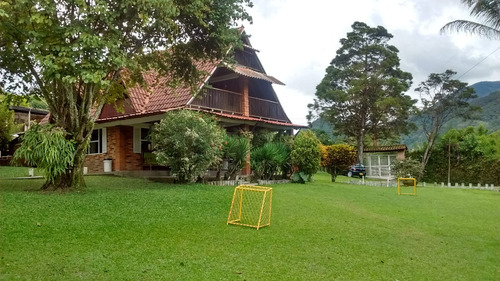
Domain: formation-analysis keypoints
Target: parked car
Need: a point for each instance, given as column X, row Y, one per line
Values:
column 357, row 170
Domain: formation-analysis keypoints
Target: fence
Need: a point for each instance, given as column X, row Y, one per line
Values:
column 392, row 182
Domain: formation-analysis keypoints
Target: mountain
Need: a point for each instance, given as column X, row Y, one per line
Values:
column 488, row 100
column 485, row 88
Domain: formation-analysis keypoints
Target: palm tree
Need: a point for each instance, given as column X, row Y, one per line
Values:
column 487, row 11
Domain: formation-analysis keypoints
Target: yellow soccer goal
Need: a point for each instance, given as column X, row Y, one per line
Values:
column 251, row 206
column 406, row 183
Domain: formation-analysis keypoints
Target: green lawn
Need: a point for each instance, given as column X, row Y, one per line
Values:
column 131, row 229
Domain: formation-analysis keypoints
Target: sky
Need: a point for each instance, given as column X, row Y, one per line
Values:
column 297, row 40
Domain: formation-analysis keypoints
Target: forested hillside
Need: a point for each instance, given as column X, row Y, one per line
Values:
column 488, row 100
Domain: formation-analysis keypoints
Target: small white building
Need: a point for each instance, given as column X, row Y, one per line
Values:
column 379, row 159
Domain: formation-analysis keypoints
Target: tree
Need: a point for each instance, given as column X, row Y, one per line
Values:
column 188, row 142
column 487, row 11
column 323, row 136
column 469, row 155
column 7, row 125
column 337, row 157
column 362, row 91
column 79, row 55
column 443, row 99
column 306, row 155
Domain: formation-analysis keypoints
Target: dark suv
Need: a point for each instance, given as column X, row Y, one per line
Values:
column 356, row 170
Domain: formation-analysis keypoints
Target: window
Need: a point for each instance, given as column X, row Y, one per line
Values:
column 97, row 143
column 142, row 140
column 145, row 140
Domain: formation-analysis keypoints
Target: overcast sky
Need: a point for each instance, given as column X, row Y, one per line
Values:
column 298, row 39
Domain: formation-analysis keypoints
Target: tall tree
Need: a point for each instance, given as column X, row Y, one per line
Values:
column 79, row 55
column 487, row 11
column 443, row 99
column 362, row 91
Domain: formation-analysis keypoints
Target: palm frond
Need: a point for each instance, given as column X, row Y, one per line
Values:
column 488, row 14
column 471, row 28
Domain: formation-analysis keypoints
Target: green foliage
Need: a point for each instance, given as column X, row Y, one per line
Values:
column 23, row 100
column 306, row 153
column 301, row 177
column 268, row 160
column 75, row 53
column 362, row 91
column 7, row 126
column 235, row 149
column 262, row 136
column 473, row 155
column 47, row 148
column 323, row 136
column 443, row 99
column 189, row 142
column 336, row 158
column 407, row 168
column 486, row 11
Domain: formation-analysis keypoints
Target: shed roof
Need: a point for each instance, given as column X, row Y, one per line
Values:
column 387, row 148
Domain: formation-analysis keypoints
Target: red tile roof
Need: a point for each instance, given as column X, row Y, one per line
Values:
column 156, row 96
column 385, row 148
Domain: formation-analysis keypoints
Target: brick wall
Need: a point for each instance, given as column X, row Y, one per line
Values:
column 120, row 148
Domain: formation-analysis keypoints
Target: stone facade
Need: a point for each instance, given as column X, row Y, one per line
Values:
column 120, row 148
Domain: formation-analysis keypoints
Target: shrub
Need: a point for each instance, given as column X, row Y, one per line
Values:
column 267, row 160
column 337, row 157
column 306, row 155
column 408, row 168
column 235, row 149
column 262, row 136
column 189, row 142
column 46, row 147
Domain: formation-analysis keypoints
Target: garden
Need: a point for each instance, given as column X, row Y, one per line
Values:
column 133, row 229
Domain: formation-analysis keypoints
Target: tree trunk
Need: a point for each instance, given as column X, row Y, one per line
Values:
column 361, row 146
column 428, row 150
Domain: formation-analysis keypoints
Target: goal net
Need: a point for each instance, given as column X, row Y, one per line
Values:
column 251, row 206
column 407, row 186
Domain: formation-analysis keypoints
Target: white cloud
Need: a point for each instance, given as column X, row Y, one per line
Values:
column 298, row 39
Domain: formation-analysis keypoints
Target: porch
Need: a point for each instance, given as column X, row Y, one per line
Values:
column 229, row 102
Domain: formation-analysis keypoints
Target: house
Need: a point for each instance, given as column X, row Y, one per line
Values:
column 26, row 115
column 379, row 159
column 239, row 94
column 23, row 116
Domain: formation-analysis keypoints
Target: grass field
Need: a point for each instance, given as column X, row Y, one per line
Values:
column 132, row 229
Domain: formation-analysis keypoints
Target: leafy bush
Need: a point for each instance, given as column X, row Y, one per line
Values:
column 337, row 157
column 471, row 153
column 306, row 154
column 408, row 168
column 189, row 142
column 267, row 160
column 262, row 136
column 235, row 149
column 46, row 147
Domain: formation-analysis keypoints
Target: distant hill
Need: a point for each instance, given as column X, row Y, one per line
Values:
column 485, row 88
column 489, row 117
column 488, row 99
